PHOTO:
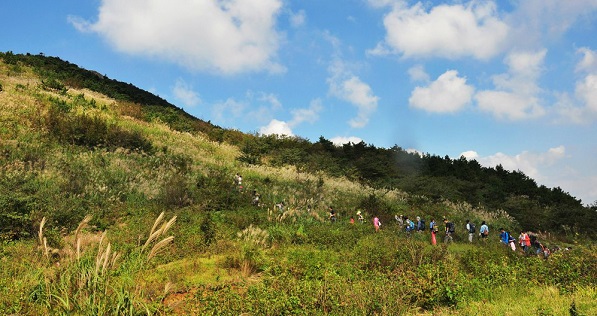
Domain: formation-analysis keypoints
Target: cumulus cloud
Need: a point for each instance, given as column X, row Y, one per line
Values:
column 588, row 63
column 418, row 73
column 221, row 36
column 340, row 140
column 515, row 96
column 276, row 127
column 448, row 31
column 528, row 162
column 299, row 116
column 470, row 155
column 581, row 106
column 587, row 92
column 346, row 86
column 449, row 93
column 185, row 94
column 586, row 89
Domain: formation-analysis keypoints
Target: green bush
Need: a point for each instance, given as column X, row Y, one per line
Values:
column 54, row 85
column 91, row 131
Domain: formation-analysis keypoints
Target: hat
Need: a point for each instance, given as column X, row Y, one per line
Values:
column 358, row 212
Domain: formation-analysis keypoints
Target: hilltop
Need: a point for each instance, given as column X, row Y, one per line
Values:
column 98, row 174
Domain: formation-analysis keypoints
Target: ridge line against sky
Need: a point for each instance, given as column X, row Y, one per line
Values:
column 503, row 82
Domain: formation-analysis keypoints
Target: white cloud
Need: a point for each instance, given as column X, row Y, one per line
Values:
column 229, row 110
column 588, row 62
column 298, row 19
column 339, row 141
column 183, row 92
column 382, row 3
column 537, row 21
column 276, row 127
column 417, row 73
column 516, row 93
column 268, row 98
column 449, row 31
column 449, row 93
column 528, row 162
column 470, row 155
column 228, row 37
column 552, row 168
column 581, row 107
column 310, row 114
column 415, row 151
column 509, row 105
column 586, row 90
column 348, row 87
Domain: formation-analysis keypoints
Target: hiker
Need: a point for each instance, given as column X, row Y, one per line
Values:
column 239, row 181
column 399, row 220
column 255, row 200
column 410, row 225
column 543, row 250
column 525, row 241
column 332, row 215
column 376, row 223
column 484, row 231
column 280, row 207
column 420, row 224
column 449, row 230
column 470, row 227
column 433, row 229
column 507, row 239
column 352, row 220
column 360, row 217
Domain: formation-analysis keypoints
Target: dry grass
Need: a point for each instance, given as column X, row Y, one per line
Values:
column 254, row 235
column 155, row 233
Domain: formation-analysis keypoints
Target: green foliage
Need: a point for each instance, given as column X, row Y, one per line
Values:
column 91, row 131
column 54, row 85
column 259, row 261
column 17, row 202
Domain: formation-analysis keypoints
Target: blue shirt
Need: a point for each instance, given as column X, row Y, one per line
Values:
column 505, row 237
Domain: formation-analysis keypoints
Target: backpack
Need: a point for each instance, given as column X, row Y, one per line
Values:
column 422, row 225
column 471, row 228
column 450, row 227
column 510, row 238
column 412, row 225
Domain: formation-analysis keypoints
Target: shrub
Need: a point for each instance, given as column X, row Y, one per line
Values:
column 91, row 131
column 53, row 85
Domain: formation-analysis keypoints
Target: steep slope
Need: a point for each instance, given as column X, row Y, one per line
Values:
column 85, row 173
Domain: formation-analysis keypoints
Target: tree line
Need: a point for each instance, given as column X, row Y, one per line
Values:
column 432, row 176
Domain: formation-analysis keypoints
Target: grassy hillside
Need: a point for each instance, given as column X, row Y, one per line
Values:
column 113, row 204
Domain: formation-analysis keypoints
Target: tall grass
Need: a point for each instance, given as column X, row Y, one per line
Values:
column 98, row 279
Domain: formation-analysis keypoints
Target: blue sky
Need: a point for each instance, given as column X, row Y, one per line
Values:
column 503, row 82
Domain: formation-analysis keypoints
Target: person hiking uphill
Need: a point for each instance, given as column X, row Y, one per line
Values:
column 449, row 231
column 507, row 239
column 470, row 227
column 332, row 215
column 525, row 241
column 433, row 228
column 484, row 231
column 376, row 223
